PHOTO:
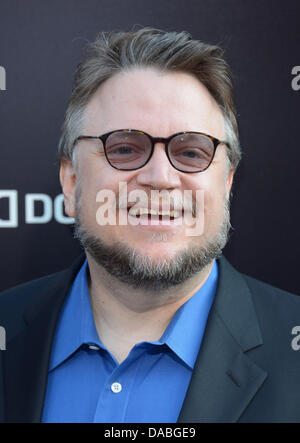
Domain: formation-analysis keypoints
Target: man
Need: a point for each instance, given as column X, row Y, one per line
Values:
column 151, row 324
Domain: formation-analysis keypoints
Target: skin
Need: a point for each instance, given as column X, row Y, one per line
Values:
column 160, row 104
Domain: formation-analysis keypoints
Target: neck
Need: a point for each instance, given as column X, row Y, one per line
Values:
column 126, row 316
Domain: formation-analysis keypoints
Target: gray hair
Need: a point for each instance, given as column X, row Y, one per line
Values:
column 113, row 52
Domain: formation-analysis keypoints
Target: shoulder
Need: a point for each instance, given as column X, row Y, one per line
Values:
column 22, row 293
column 276, row 301
column 265, row 297
column 34, row 294
column 15, row 301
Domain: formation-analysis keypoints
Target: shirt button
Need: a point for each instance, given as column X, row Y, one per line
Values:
column 116, row 387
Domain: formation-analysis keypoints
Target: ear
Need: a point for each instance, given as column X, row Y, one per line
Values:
column 229, row 182
column 67, row 178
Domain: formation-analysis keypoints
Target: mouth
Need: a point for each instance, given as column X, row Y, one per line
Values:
column 153, row 214
column 144, row 218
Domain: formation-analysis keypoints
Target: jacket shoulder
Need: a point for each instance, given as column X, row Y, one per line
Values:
column 28, row 288
column 14, row 302
column 266, row 294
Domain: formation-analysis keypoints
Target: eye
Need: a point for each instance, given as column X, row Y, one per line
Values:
column 190, row 154
column 121, row 150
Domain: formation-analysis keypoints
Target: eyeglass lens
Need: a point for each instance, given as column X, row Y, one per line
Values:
column 188, row 152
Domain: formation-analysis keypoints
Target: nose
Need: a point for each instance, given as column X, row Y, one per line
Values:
column 158, row 172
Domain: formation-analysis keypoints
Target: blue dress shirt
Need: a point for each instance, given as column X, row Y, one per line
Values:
column 87, row 384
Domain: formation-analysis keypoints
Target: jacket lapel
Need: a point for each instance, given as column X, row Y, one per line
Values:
column 225, row 379
column 28, row 353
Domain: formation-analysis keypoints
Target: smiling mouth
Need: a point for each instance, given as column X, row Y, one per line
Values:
column 153, row 214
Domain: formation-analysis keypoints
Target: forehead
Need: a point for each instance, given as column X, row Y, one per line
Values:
column 157, row 102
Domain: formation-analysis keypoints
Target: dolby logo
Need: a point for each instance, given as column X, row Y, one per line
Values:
column 48, row 209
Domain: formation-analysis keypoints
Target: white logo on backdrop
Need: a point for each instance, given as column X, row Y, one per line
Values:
column 2, row 79
column 296, row 80
column 2, row 339
column 50, row 209
column 296, row 340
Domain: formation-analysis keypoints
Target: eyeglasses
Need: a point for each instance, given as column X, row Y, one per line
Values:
column 130, row 149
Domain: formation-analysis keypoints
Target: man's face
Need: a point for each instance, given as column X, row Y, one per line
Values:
column 159, row 104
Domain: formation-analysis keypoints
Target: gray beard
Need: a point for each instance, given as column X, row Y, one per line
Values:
column 142, row 272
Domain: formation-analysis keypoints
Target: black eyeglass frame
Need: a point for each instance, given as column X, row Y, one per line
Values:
column 154, row 140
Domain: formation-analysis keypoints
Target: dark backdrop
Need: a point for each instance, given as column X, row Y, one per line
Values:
column 41, row 42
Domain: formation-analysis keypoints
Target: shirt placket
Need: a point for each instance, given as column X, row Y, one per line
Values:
column 118, row 389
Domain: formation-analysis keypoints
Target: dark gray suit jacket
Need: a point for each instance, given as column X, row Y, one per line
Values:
column 246, row 370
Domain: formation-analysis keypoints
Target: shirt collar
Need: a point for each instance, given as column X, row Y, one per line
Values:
column 185, row 331
column 76, row 325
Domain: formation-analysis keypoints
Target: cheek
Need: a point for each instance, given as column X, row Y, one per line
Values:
column 92, row 181
column 213, row 204
column 211, row 194
column 89, row 183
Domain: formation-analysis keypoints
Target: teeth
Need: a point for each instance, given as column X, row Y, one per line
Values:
column 142, row 211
